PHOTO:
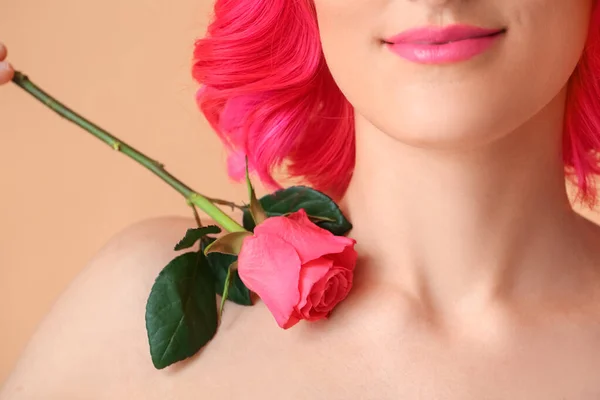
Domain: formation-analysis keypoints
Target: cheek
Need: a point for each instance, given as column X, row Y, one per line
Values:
column 546, row 43
column 553, row 35
column 348, row 36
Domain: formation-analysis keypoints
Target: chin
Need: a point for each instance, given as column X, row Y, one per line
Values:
column 453, row 130
column 458, row 140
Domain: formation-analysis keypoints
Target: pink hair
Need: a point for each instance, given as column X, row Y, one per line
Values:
column 582, row 117
column 269, row 95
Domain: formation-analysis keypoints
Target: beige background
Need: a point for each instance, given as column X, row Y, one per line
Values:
column 124, row 65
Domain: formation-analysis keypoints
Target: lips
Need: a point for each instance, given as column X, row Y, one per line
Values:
column 443, row 45
column 442, row 35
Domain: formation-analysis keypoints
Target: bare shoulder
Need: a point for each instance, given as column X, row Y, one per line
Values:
column 94, row 340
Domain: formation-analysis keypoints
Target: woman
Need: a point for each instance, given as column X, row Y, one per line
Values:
column 476, row 279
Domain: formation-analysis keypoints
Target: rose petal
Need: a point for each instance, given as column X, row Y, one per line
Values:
column 331, row 292
column 311, row 313
column 343, row 284
column 311, row 273
column 270, row 267
column 293, row 320
column 346, row 259
column 317, row 297
column 306, row 309
column 336, row 289
column 326, row 306
column 309, row 240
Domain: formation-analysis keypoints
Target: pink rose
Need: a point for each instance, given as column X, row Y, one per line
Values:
column 298, row 269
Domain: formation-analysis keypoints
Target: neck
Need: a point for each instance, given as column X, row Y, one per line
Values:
column 447, row 223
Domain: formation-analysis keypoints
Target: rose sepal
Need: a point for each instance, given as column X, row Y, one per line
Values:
column 230, row 243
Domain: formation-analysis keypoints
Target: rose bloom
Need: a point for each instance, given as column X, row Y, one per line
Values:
column 298, row 269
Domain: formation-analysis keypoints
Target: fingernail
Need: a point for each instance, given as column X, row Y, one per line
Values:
column 4, row 66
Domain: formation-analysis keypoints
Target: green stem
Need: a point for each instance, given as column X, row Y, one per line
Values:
column 154, row 166
column 196, row 216
column 226, row 203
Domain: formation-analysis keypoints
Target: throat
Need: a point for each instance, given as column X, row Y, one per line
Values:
column 459, row 222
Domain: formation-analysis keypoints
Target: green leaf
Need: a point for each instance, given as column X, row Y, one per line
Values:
column 319, row 207
column 228, row 244
column 219, row 265
column 181, row 312
column 316, row 219
column 195, row 234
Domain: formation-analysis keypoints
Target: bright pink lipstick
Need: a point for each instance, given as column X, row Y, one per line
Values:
column 442, row 45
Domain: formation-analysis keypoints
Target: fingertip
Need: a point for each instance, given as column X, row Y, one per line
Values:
column 6, row 72
column 3, row 51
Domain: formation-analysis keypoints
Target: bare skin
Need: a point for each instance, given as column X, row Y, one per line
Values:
column 6, row 70
column 476, row 280
column 377, row 345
